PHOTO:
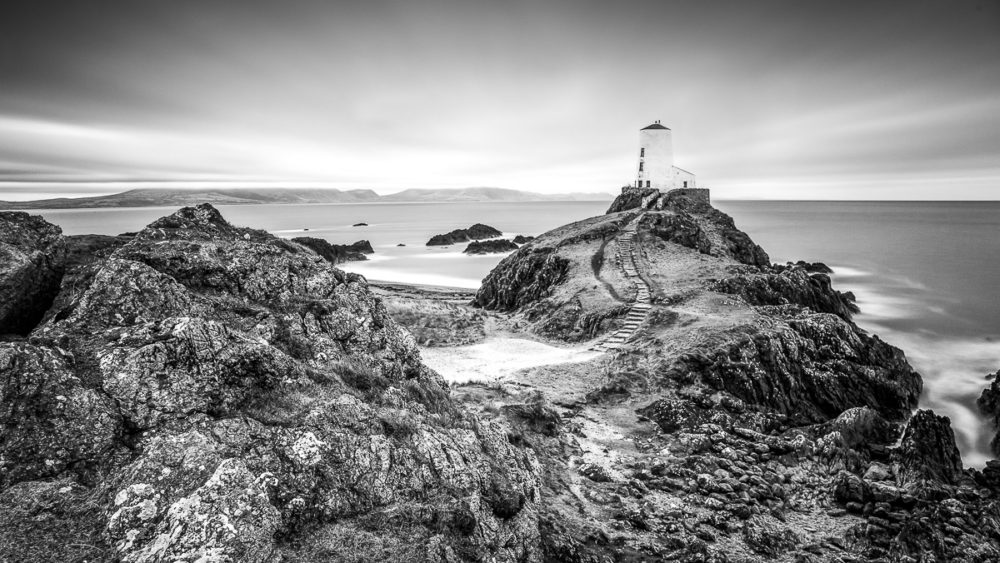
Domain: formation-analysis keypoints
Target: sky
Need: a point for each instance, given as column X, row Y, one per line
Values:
column 796, row 99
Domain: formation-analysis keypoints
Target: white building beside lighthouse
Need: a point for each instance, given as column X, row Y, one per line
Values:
column 656, row 161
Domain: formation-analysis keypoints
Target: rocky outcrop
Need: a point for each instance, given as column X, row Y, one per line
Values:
column 222, row 394
column 522, row 278
column 523, row 239
column 53, row 423
column 490, row 247
column 928, row 451
column 989, row 405
column 811, row 367
column 678, row 229
column 337, row 253
column 32, row 262
column 786, row 285
column 478, row 231
column 650, row 199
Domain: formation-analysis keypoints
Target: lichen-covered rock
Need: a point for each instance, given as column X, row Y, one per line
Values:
column 32, row 261
column 58, row 520
column 181, row 365
column 229, row 518
column 52, row 424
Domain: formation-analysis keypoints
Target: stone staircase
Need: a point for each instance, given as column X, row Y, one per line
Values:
column 625, row 257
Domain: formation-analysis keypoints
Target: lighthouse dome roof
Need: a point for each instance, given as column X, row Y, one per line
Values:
column 655, row 126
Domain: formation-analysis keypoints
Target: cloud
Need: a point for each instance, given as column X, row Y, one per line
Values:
column 543, row 95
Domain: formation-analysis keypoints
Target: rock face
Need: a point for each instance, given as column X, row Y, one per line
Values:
column 989, row 405
column 809, row 367
column 490, row 247
column 478, row 231
column 526, row 279
column 337, row 253
column 784, row 285
column 32, row 261
column 217, row 393
column 523, row 239
column 928, row 449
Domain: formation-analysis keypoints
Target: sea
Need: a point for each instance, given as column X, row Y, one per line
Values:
column 926, row 274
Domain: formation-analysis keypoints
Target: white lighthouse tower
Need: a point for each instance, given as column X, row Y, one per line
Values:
column 656, row 161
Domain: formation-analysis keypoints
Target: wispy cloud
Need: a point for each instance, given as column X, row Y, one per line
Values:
column 769, row 99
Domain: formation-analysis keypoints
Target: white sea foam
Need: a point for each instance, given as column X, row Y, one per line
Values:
column 848, row 272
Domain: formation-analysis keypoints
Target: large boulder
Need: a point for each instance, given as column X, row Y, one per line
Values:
column 32, row 261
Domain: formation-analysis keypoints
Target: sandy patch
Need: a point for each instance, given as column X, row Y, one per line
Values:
column 498, row 359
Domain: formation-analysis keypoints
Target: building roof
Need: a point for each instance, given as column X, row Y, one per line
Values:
column 654, row 126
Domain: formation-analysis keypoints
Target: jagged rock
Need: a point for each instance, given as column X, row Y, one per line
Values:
column 32, row 262
column 52, row 423
column 811, row 368
column 522, row 278
column 680, row 229
column 989, row 405
column 928, row 450
column 490, row 246
column 84, row 256
column 478, row 231
column 57, row 520
column 523, row 239
column 768, row 538
column 337, row 253
column 849, row 488
column 809, row 267
column 862, row 427
column 695, row 202
column 789, row 285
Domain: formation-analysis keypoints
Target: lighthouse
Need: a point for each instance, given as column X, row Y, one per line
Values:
column 656, row 161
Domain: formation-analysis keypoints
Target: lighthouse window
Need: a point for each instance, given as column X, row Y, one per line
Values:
column 648, row 183
column 642, row 151
column 685, row 184
column 640, row 167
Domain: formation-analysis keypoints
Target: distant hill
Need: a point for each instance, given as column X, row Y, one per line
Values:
column 156, row 197
column 487, row 194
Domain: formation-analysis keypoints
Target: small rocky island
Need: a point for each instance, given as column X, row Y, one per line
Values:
column 491, row 246
column 199, row 391
column 478, row 231
column 337, row 253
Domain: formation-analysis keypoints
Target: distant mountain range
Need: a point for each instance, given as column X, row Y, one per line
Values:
column 156, row 197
